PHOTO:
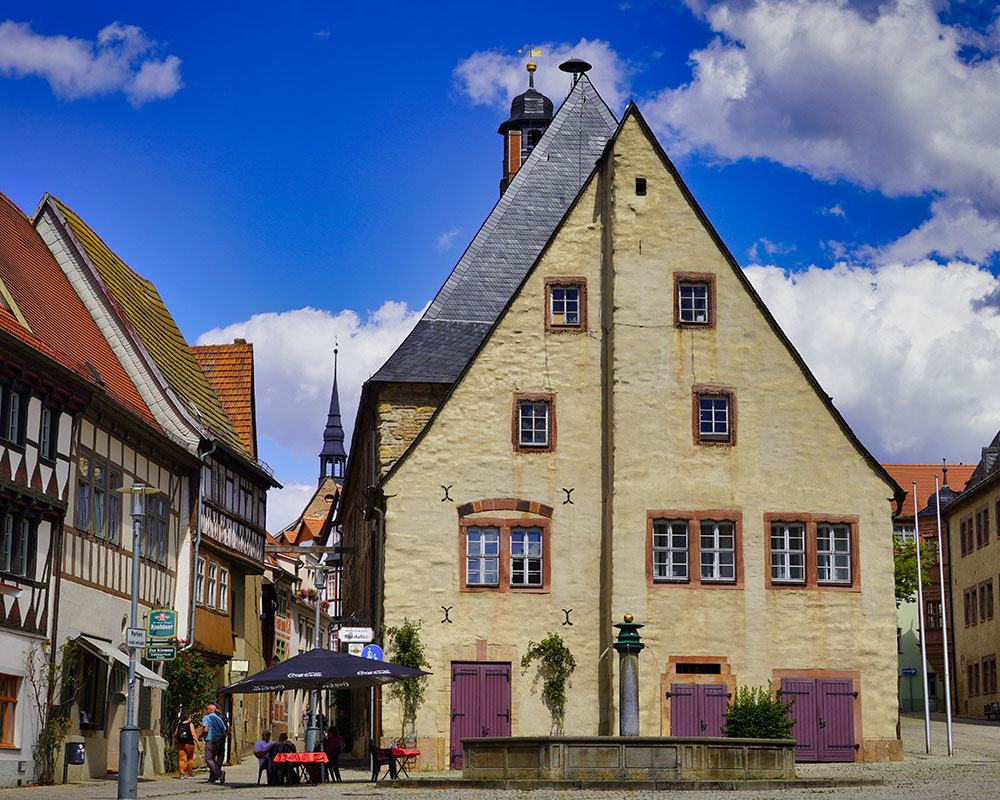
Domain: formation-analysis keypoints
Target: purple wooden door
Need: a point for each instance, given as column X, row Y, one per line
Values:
column 835, row 712
column 697, row 710
column 684, row 709
column 824, row 718
column 480, row 704
column 802, row 691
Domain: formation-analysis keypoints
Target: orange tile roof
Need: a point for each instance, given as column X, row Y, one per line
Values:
column 143, row 309
column 63, row 328
column 923, row 474
column 229, row 369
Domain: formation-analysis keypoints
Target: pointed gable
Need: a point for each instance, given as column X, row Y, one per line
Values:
column 229, row 369
column 137, row 300
column 507, row 244
column 61, row 326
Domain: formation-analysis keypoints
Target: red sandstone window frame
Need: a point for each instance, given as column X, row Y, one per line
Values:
column 504, row 525
column 523, row 398
column 703, row 278
column 713, row 440
column 694, row 520
column 812, row 523
column 9, row 685
column 568, row 282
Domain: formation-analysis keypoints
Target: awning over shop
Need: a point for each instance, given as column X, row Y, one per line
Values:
column 105, row 650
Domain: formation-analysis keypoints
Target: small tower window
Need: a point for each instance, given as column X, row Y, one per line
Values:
column 534, row 137
column 640, row 186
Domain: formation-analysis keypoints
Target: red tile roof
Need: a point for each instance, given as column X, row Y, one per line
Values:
column 923, row 474
column 229, row 369
column 63, row 328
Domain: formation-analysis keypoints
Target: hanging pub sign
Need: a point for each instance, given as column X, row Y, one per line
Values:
column 162, row 623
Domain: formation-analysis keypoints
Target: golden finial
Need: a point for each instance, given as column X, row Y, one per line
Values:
column 629, row 617
column 531, row 66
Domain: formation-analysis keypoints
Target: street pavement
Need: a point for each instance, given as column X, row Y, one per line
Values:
column 972, row 774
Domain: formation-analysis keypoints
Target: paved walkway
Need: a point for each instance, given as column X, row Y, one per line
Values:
column 972, row 774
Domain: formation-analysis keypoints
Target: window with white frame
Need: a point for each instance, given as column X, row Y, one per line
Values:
column 212, row 585
column 693, row 302
column 46, row 435
column 526, row 557
column 18, row 545
column 906, row 532
column 114, row 507
column 788, row 552
column 566, row 304
column 534, row 424
column 7, row 549
column 482, row 556
column 99, row 478
column 670, row 550
column 223, row 590
column 199, row 581
column 718, row 551
column 83, row 494
column 713, row 417
column 833, row 553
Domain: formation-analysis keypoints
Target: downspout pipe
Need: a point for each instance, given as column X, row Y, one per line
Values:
column 197, row 542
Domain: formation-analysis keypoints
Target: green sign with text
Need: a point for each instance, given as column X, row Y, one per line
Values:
column 162, row 623
column 161, row 652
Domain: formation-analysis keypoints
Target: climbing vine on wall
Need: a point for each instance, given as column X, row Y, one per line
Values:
column 407, row 649
column 556, row 664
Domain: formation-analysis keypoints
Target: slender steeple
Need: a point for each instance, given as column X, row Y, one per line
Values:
column 333, row 457
column 530, row 115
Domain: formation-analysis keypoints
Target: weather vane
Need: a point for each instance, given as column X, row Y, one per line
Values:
column 530, row 66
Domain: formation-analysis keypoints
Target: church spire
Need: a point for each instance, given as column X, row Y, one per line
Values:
column 333, row 457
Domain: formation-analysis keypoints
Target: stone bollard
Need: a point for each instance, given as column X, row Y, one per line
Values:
column 628, row 646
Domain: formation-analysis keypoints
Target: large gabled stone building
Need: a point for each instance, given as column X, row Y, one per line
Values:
column 598, row 415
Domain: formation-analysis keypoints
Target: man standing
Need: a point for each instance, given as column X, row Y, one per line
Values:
column 214, row 728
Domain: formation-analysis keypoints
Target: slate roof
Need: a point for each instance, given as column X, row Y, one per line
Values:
column 923, row 474
column 229, row 369
column 508, row 243
column 146, row 313
column 61, row 327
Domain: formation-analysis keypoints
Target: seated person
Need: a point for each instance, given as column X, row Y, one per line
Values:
column 263, row 752
column 283, row 771
column 333, row 746
column 284, row 745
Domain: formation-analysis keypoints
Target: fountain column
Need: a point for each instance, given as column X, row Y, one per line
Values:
column 628, row 644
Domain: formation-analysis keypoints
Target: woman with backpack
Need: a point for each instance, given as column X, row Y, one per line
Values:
column 184, row 737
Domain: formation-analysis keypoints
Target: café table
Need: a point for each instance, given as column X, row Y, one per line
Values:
column 300, row 760
column 403, row 756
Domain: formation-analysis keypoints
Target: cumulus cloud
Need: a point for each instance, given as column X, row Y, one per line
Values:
column 833, row 211
column 293, row 368
column 445, row 240
column 492, row 77
column 884, row 95
column 284, row 505
column 909, row 352
column 121, row 59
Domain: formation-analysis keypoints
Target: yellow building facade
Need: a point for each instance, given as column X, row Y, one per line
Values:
column 636, row 435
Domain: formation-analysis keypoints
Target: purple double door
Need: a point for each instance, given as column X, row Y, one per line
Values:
column 823, row 709
column 698, row 710
column 480, row 703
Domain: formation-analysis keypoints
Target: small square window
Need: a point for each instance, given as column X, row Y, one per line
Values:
column 714, row 415
column 694, row 300
column 565, row 304
column 534, row 422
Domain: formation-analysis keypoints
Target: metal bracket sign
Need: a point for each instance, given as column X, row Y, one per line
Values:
column 161, row 652
column 135, row 637
column 356, row 635
column 162, row 623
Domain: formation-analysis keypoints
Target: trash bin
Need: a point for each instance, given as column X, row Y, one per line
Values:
column 76, row 754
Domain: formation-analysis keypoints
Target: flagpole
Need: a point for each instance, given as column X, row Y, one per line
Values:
column 920, row 612
column 944, row 623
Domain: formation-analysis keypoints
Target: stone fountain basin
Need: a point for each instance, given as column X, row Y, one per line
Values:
column 627, row 758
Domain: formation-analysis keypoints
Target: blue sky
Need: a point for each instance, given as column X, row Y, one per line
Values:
column 296, row 174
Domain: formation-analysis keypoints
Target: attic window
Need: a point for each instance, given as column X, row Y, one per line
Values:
column 694, row 300
column 566, row 304
column 640, row 186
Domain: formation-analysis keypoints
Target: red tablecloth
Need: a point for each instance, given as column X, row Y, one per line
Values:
column 402, row 752
column 301, row 758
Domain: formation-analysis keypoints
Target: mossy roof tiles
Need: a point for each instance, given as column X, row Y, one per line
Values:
column 62, row 327
column 145, row 312
column 229, row 369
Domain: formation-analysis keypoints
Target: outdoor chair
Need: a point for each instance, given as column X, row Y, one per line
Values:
column 265, row 767
column 381, row 757
column 333, row 766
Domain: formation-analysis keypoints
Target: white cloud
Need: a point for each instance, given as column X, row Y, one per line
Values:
column 445, row 240
column 833, row 211
column 284, row 505
column 492, row 77
column 293, row 370
column 121, row 59
column 769, row 247
column 875, row 93
column 908, row 352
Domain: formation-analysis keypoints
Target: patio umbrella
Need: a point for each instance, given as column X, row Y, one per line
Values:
column 323, row 669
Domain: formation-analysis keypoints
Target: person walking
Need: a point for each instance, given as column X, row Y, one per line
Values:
column 184, row 737
column 214, row 728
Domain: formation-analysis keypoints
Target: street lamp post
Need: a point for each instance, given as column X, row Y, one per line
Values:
column 128, row 743
column 313, row 732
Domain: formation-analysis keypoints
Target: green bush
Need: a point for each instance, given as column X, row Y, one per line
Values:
column 756, row 713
